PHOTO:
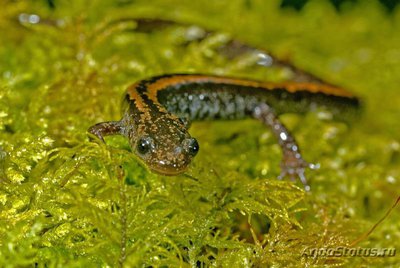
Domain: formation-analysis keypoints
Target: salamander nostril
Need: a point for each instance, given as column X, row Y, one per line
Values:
column 178, row 150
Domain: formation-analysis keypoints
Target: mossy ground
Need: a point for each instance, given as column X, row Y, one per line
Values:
column 66, row 201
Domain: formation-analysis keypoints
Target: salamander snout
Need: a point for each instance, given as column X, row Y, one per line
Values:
column 167, row 155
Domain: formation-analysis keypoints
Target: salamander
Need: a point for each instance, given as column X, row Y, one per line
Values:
column 157, row 113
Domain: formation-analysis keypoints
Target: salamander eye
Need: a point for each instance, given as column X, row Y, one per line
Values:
column 193, row 146
column 144, row 145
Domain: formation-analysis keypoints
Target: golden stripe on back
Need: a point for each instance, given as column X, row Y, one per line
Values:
column 291, row 87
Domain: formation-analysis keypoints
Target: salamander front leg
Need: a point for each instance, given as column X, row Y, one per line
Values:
column 105, row 129
column 292, row 163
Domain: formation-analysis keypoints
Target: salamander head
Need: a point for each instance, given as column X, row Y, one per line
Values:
column 164, row 145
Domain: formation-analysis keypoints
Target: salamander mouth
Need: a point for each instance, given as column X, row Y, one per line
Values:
column 168, row 171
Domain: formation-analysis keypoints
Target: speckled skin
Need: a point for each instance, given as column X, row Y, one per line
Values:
column 158, row 110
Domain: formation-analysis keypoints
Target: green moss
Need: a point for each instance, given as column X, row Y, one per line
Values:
column 66, row 201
